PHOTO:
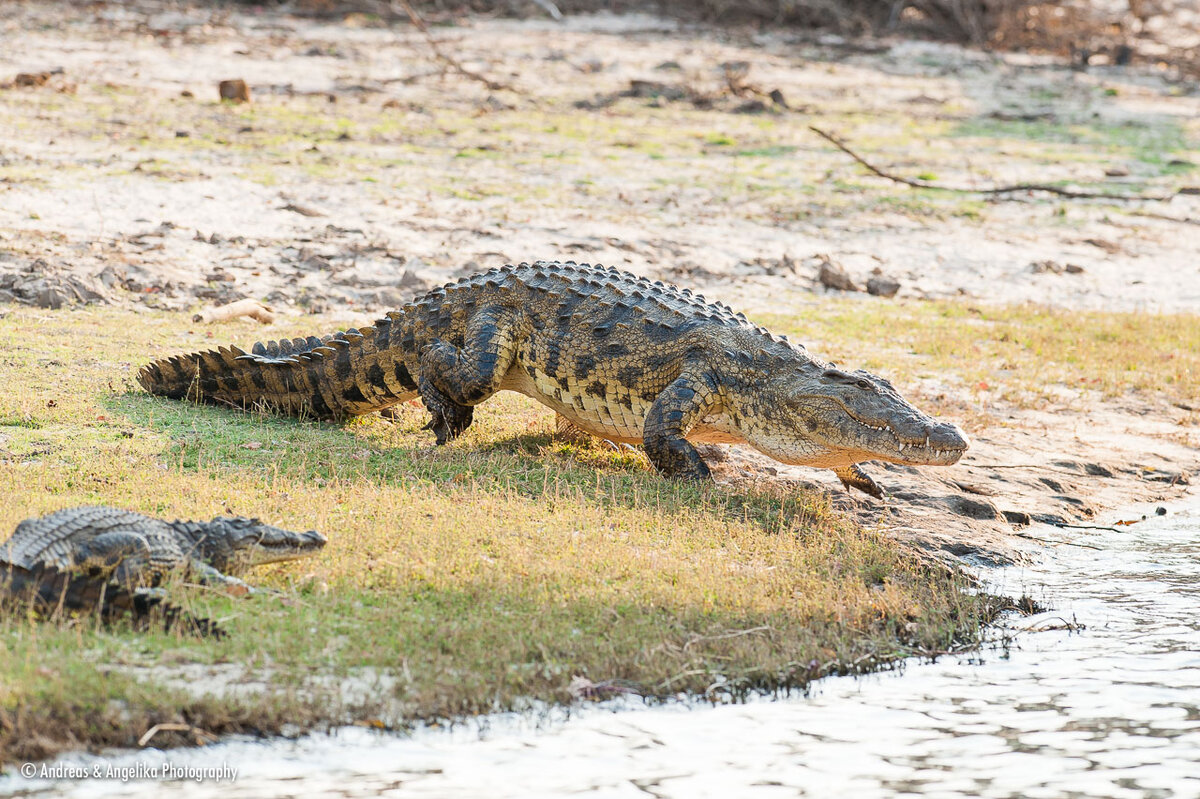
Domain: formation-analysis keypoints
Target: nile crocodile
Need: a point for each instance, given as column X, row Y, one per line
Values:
column 49, row 589
column 617, row 356
column 89, row 557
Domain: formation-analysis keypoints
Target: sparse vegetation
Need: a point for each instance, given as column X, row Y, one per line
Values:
column 489, row 573
column 466, row 579
column 482, row 575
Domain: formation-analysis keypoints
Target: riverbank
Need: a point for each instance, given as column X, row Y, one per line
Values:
column 511, row 568
column 494, row 573
column 1096, row 697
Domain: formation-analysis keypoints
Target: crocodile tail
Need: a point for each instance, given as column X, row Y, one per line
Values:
column 48, row 590
column 345, row 374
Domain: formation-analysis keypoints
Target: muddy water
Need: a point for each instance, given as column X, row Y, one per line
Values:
column 1112, row 710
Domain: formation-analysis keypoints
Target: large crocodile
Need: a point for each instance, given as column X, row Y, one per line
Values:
column 89, row 557
column 617, row 356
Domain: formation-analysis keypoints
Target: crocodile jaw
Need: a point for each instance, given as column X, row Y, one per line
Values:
column 942, row 444
column 275, row 549
column 826, row 435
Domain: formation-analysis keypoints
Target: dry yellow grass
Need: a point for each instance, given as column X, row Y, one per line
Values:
column 476, row 576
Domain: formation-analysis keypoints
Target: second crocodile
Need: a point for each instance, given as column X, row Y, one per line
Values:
column 97, row 557
column 617, row 356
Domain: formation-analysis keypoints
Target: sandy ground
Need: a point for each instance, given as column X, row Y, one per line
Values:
column 122, row 180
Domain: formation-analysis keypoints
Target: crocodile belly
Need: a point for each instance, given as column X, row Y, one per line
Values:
column 608, row 411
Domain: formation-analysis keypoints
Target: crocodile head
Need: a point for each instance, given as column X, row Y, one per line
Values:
column 833, row 418
column 232, row 544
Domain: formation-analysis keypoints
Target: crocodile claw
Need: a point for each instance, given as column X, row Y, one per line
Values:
column 854, row 477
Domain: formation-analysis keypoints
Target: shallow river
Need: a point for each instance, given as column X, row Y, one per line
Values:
column 1112, row 710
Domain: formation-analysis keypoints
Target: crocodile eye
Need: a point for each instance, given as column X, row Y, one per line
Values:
column 863, row 384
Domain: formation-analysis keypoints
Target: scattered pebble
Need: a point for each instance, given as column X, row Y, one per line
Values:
column 1052, row 267
column 883, row 286
column 234, row 90
column 833, row 276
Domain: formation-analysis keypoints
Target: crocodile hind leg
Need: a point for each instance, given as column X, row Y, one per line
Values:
column 122, row 555
column 854, row 477
column 454, row 379
column 674, row 412
column 568, row 431
column 448, row 418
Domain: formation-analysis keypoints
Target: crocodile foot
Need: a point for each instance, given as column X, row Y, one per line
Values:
column 854, row 477
column 449, row 418
column 448, row 426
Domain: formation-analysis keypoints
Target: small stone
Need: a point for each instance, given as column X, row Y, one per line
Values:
column 1073, row 269
column 751, row 107
column 883, row 286
column 234, row 90
column 832, row 275
column 1017, row 517
column 49, row 297
column 1047, row 266
column 652, row 89
column 1160, row 511
column 1117, row 172
column 31, row 79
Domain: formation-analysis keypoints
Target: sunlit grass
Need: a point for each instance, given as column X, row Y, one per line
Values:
column 1023, row 354
column 475, row 577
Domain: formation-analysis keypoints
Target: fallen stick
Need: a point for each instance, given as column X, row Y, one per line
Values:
column 924, row 184
column 202, row 737
column 1054, row 541
column 1085, row 527
column 1183, row 220
column 453, row 63
column 247, row 307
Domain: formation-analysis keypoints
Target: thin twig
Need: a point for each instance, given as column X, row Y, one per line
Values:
column 201, row 736
column 1085, row 527
column 1185, row 220
column 924, row 184
column 449, row 61
column 1054, row 541
column 734, row 634
column 681, row 675
column 1027, row 466
column 1070, row 626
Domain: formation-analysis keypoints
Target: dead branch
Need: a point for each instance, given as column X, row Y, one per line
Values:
column 202, row 736
column 1019, row 187
column 247, row 307
column 1085, row 527
column 1055, row 541
column 1184, row 220
column 449, row 61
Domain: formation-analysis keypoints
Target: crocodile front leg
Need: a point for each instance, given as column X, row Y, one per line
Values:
column 452, row 379
column 676, row 410
column 206, row 574
column 854, row 477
